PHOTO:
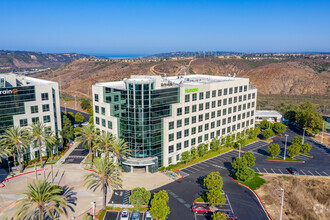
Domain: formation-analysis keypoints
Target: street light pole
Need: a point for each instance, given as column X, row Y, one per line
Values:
column 303, row 136
column 93, row 207
column 282, row 203
column 286, row 139
column 322, row 133
column 239, row 152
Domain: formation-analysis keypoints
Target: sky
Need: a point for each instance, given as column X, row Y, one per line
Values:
column 156, row 26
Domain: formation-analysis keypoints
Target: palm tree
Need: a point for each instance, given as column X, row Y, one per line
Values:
column 104, row 142
column 120, row 148
column 87, row 135
column 15, row 140
column 41, row 135
column 106, row 175
column 42, row 200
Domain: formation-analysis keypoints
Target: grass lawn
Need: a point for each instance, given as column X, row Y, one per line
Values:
column 281, row 159
column 255, row 182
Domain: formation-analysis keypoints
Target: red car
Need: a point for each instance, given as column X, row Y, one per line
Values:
column 200, row 209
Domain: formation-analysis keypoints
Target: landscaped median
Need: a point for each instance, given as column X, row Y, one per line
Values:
column 288, row 159
column 101, row 214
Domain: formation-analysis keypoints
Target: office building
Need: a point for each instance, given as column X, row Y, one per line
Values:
column 162, row 117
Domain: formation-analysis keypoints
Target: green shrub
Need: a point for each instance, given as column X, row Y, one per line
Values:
column 244, row 174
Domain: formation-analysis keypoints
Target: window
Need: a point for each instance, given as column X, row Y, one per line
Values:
column 223, row 121
column 97, row 109
column 218, row 113
column 207, row 105
column 225, row 91
column 45, row 108
column 178, row 146
column 110, row 124
column 193, row 119
column 171, row 125
column 179, row 111
column 230, row 101
column 234, row 118
column 219, row 92
column 224, row 111
column 244, row 106
column 245, row 88
column 178, row 156
column 193, row 130
column 228, row 129
column 235, row 99
column 169, row 160
column 249, row 96
column 35, row 120
column 187, row 98
column 186, row 144
column 23, row 122
column 186, row 110
column 193, row 141
column 248, row 114
column 248, row 106
column 200, row 107
column 252, row 112
column 103, row 123
column 194, row 97
column 253, row 95
column 240, row 98
column 171, row 137
column 186, row 121
column 206, row 127
column 34, row 109
column 107, row 90
column 179, row 123
column 224, row 131
column 200, row 128
column 239, row 117
column 46, row 118
column 241, row 89
column 235, row 109
column 97, row 120
column 200, row 139
column 214, row 93
column 225, row 102
column 212, row 114
column 208, row 94
column 186, row 132
column 207, row 116
column 96, row 97
column 200, row 118
column 102, row 110
column 201, row 96
column 233, row 128
column 206, row 137
column 230, row 91
column 244, row 98
column 219, row 103
column 44, row 96
column 213, row 104
column 212, row 125
column 218, row 132
column 239, row 108
column 238, row 126
column 252, row 104
column 193, row 108
column 170, row 149
column 178, row 135
column 218, row 123
column 229, row 110
column 236, row 89
column 229, row 120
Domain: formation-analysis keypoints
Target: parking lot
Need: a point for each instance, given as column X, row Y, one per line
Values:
column 112, row 215
column 77, row 155
column 120, row 197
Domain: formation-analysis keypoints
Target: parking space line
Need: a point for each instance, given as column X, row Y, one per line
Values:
column 118, row 216
column 318, row 173
column 229, row 204
column 198, row 166
column 325, row 173
column 258, row 170
column 287, row 171
column 310, row 172
column 203, row 164
column 303, row 172
column 193, row 168
column 265, row 170
column 272, row 170
column 280, row 171
column 187, row 170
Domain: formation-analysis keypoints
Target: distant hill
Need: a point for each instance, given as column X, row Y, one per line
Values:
column 13, row 60
column 195, row 54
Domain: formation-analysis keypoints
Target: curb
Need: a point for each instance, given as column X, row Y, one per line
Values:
column 2, row 182
column 263, row 206
column 286, row 161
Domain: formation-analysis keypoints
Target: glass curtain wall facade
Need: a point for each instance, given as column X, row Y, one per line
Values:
column 140, row 110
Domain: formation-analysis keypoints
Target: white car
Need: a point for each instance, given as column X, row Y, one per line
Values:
column 124, row 215
column 148, row 216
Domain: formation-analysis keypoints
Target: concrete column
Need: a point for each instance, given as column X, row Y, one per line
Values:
column 131, row 169
column 147, row 169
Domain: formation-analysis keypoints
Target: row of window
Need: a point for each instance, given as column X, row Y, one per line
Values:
column 97, row 110
column 206, row 127
column 104, row 124
column 24, row 122
column 204, row 137
column 34, row 109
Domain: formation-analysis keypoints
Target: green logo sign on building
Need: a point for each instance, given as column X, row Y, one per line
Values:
column 191, row 90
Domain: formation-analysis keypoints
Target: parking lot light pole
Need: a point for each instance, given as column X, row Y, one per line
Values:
column 239, row 152
column 282, row 203
column 322, row 133
column 303, row 136
column 286, row 140
column 93, row 208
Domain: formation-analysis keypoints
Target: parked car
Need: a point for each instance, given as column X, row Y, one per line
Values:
column 124, row 215
column 200, row 209
column 148, row 216
column 136, row 215
column 230, row 216
column 293, row 171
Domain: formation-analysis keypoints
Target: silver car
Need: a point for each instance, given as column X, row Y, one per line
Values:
column 148, row 216
column 124, row 215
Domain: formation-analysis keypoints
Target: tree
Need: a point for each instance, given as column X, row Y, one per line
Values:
column 268, row 133
column 219, row 216
column 213, row 180
column 41, row 135
column 290, row 116
column 70, row 115
column 293, row 150
column 120, row 148
column 274, row 150
column 79, row 118
column 265, row 124
column 104, row 142
column 67, row 130
column 51, row 144
column 41, row 198
column 239, row 163
column 250, row 159
column 306, row 147
column 159, row 208
column 15, row 140
column 106, row 176
column 216, row 197
column 139, row 197
column 279, row 127
column 254, row 133
column 91, row 117
column 194, row 152
column 202, row 149
column 244, row 174
column 297, row 140
column 185, row 157
column 307, row 117
column 87, row 135
column 215, row 144
column 85, row 104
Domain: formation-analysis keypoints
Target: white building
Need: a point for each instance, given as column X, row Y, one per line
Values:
column 26, row 100
column 161, row 118
column 272, row 116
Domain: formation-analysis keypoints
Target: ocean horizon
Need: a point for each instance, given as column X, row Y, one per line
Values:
column 117, row 56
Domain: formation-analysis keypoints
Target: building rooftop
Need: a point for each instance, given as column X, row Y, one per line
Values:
column 14, row 80
column 172, row 81
column 268, row 113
